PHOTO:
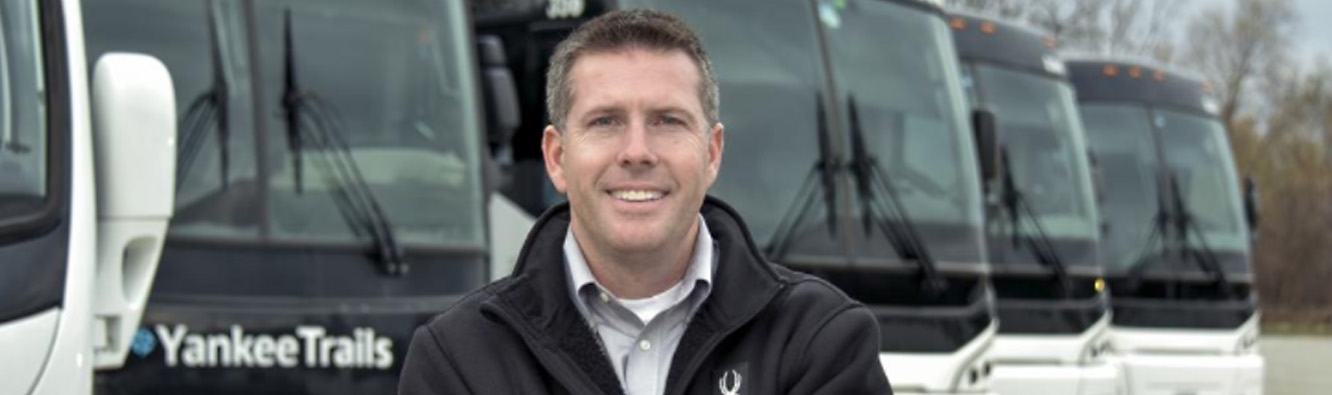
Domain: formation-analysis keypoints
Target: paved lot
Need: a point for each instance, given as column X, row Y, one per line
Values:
column 1298, row 365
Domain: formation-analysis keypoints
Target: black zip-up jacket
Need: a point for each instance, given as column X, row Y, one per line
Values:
column 764, row 330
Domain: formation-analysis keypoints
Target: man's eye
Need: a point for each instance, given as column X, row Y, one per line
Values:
column 668, row 120
column 602, row 121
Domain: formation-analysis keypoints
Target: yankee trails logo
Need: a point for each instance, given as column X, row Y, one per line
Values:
column 307, row 346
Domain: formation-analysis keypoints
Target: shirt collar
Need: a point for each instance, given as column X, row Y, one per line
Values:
column 700, row 271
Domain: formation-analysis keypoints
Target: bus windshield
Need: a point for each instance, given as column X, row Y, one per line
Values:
column 898, row 63
column 1125, row 140
column 1040, row 131
column 1122, row 138
column 391, row 97
column 770, row 83
column 23, row 135
column 1202, row 166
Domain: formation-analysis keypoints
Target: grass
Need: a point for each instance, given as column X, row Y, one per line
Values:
column 1297, row 328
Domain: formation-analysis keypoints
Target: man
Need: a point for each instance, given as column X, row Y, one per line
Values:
column 641, row 284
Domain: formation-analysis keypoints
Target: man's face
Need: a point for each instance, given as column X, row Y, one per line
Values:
column 637, row 155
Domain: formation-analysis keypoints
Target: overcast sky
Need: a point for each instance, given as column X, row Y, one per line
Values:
column 1313, row 35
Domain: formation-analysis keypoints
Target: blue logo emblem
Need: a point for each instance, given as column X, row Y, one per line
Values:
column 144, row 342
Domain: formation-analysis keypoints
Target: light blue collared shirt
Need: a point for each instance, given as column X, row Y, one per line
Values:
column 640, row 336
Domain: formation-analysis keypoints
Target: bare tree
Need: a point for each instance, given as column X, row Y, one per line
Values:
column 1233, row 49
column 1138, row 28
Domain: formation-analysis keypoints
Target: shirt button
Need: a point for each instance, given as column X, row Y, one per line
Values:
column 605, row 297
column 644, row 345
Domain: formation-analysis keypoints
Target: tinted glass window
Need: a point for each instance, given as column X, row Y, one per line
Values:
column 23, row 134
column 1041, row 134
column 274, row 138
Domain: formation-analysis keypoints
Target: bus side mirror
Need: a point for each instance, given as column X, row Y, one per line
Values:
column 134, row 144
column 1251, row 205
column 987, row 146
column 501, row 108
column 499, row 89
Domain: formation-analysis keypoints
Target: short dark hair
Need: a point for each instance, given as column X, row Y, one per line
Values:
column 623, row 30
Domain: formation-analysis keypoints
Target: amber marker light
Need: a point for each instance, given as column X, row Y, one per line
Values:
column 1100, row 284
column 1110, row 70
column 987, row 27
column 958, row 23
column 1135, row 72
column 1159, row 76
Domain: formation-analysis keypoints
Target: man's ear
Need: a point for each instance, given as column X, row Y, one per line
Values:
column 552, row 149
column 716, row 145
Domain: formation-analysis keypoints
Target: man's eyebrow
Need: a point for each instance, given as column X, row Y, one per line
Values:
column 604, row 109
column 672, row 110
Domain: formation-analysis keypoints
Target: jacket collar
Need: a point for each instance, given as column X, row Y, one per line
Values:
column 537, row 291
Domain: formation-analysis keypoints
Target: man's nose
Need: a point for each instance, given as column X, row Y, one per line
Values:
column 637, row 149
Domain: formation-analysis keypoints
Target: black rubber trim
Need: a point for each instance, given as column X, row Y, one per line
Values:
column 1062, row 316
column 1185, row 301
column 55, row 66
column 196, row 270
column 1196, row 314
column 911, row 319
column 35, row 248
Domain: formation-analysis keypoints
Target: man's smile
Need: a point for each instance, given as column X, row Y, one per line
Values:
column 638, row 195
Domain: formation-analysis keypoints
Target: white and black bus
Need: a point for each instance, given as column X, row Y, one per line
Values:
column 1177, row 246
column 1043, row 225
column 331, row 192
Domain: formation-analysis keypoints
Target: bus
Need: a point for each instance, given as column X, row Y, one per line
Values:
column 1043, row 229
column 850, row 156
column 86, row 181
column 1178, row 241
column 332, row 190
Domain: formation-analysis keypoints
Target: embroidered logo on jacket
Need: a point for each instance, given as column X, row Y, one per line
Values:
column 730, row 382
column 731, row 378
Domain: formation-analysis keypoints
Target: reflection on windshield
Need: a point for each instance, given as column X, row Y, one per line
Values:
column 1125, row 146
column 899, row 64
column 22, row 120
column 395, row 78
column 1198, row 155
column 1201, row 162
column 769, row 76
column 1040, row 131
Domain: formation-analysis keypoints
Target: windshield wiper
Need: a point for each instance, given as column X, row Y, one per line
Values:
column 1181, row 222
column 823, row 172
column 210, row 108
column 1018, row 208
column 872, row 184
column 308, row 116
column 1185, row 224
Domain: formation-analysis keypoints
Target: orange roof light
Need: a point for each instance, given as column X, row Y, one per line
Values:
column 1135, row 72
column 1050, row 43
column 1110, row 70
column 987, row 27
column 958, row 23
column 1159, row 76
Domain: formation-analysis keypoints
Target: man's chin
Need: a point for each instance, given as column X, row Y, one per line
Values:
column 638, row 240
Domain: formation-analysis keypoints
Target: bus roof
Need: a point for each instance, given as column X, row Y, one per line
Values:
column 1131, row 81
column 981, row 39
